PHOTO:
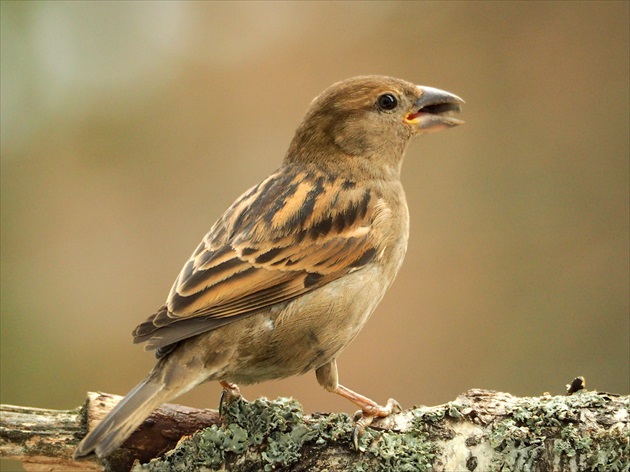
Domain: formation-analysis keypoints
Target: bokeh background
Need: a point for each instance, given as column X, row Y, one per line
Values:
column 128, row 127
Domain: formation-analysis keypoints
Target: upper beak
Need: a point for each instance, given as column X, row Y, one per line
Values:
column 433, row 110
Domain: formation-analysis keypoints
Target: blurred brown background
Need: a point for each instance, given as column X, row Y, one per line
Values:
column 127, row 128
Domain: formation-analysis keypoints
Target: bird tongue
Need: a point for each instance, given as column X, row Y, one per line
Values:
column 411, row 116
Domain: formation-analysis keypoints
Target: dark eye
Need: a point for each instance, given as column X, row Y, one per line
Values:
column 387, row 102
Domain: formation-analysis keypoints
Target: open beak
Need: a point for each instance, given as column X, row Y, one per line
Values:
column 434, row 110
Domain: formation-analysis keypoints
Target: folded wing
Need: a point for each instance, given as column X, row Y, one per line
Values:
column 294, row 232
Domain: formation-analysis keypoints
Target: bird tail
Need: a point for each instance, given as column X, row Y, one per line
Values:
column 125, row 418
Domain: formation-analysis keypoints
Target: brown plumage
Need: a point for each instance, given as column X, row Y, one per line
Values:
column 287, row 277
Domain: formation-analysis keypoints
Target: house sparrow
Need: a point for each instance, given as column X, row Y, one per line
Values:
column 291, row 272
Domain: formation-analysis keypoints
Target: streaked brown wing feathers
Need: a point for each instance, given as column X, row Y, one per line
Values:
column 292, row 233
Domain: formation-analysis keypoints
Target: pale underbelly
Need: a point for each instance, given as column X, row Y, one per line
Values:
column 306, row 333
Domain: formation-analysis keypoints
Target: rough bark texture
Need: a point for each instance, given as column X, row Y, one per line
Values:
column 480, row 431
column 46, row 439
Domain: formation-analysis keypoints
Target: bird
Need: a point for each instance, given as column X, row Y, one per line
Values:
column 290, row 273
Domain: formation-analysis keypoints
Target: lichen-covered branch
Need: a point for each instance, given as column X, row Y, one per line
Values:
column 480, row 431
column 46, row 439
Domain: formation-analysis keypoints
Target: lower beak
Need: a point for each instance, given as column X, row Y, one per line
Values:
column 434, row 110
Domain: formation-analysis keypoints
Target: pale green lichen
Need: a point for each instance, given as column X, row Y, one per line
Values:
column 521, row 439
column 404, row 452
column 532, row 433
column 434, row 415
column 271, row 435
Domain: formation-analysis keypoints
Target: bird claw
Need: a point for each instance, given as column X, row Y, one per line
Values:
column 364, row 418
column 359, row 428
column 229, row 393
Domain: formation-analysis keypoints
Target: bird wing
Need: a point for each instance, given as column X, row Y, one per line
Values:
column 294, row 232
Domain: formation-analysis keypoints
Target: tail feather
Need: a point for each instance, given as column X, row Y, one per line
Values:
column 124, row 419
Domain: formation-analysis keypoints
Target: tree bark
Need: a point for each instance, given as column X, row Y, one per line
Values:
column 479, row 431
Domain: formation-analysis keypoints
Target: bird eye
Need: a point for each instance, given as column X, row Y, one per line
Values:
column 387, row 102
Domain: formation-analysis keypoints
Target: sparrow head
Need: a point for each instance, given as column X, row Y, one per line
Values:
column 372, row 118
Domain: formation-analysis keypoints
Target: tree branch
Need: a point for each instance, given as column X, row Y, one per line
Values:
column 481, row 430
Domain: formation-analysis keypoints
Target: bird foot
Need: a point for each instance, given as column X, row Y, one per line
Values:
column 363, row 418
column 229, row 393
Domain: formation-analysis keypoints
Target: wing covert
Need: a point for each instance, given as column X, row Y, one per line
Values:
column 292, row 233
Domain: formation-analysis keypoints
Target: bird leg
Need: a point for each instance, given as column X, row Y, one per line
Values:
column 229, row 393
column 328, row 377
